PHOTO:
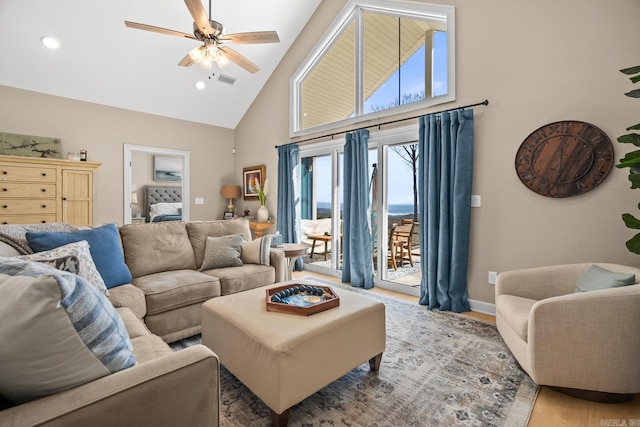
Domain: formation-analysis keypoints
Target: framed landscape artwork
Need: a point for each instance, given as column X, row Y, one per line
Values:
column 167, row 169
column 251, row 176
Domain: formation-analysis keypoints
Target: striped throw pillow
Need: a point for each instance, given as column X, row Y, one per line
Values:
column 257, row 251
column 62, row 332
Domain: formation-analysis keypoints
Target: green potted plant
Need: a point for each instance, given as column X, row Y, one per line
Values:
column 632, row 161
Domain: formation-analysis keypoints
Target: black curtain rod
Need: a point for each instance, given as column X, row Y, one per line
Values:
column 485, row 102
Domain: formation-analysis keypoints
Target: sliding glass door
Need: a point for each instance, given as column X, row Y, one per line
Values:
column 392, row 215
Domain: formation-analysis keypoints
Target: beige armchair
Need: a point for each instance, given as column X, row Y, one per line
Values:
column 584, row 344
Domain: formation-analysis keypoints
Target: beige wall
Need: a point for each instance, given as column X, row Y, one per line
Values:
column 103, row 131
column 536, row 62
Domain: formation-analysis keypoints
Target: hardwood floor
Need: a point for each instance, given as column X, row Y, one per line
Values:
column 551, row 407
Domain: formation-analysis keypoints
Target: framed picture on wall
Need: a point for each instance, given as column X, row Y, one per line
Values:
column 167, row 169
column 251, row 176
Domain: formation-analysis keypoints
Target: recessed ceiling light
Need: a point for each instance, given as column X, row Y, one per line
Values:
column 200, row 85
column 50, row 42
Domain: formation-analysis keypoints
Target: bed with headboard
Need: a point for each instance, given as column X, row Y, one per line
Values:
column 162, row 203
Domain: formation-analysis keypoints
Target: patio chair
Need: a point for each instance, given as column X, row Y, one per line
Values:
column 401, row 240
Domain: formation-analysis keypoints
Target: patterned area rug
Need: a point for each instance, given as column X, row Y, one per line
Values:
column 439, row 369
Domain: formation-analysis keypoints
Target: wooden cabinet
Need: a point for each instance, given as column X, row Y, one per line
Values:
column 36, row 190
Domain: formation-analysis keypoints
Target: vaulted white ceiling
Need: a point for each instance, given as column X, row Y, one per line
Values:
column 102, row 61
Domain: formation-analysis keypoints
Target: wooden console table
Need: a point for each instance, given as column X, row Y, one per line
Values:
column 259, row 227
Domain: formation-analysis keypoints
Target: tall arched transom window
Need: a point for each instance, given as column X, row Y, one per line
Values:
column 378, row 58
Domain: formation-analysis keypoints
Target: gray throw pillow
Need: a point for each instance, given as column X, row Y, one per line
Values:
column 222, row 252
column 597, row 278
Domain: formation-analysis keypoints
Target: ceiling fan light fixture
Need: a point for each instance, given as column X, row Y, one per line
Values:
column 222, row 60
column 206, row 62
column 197, row 54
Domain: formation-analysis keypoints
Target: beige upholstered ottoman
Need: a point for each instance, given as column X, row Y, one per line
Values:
column 285, row 358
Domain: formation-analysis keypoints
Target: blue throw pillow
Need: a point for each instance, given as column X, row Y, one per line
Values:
column 104, row 245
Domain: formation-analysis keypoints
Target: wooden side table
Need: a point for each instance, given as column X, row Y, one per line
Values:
column 138, row 220
column 326, row 238
column 258, row 228
column 291, row 252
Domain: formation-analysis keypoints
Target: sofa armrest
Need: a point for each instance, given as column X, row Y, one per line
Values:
column 177, row 389
column 595, row 332
column 540, row 282
column 278, row 262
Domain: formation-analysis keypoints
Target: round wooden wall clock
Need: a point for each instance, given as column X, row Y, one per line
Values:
column 564, row 159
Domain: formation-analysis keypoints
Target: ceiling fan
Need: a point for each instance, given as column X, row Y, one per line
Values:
column 211, row 34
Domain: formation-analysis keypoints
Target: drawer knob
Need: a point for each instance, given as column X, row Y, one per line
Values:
column 64, row 198
column 4, row 172
column 4, row 189
column 44, row 174
column 5, row 222
column 43, row 221
column 44, row 206
column 44, row 190
column 5, row 206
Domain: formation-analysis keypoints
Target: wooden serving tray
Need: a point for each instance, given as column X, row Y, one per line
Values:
column 299, row 310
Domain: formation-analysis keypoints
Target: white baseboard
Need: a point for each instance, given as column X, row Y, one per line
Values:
column 482, row 307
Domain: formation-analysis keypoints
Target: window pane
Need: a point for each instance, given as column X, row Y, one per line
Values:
column 440, row 83
column 403, row 257
column 399, row 56
column 328, row 92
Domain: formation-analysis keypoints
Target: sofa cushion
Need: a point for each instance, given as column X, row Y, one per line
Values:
column 131, row 297
column 172, row 289
column 79, row 335
column 104, row 245
column 257, row 251
column 134, row 325
column 222, row 252
column 248, row 276
column 176, row 324
column 515, row 310
column 157, row 247
column 597, row 278
column 149, row 347
column 200, row 230
column 84, row 268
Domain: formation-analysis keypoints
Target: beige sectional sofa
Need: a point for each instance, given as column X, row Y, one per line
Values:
column 161, row 304
column 168, row 288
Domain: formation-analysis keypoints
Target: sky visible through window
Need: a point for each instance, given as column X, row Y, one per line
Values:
column 413, row 75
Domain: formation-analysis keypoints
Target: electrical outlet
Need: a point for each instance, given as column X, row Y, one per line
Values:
column 199, row 201
column 493, row 276
column 476, row 200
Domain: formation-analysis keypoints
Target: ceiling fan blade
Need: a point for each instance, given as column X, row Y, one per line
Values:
column 186, row 61
column 253, row 37
column 196, row 9
column 240, row 60
column 160, row 30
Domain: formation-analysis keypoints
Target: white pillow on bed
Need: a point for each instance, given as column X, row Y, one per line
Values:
column 157, row 209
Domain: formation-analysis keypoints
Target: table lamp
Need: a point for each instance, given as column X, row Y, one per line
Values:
column 230, row 192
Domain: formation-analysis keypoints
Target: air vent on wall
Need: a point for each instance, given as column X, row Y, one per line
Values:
column 226, row 79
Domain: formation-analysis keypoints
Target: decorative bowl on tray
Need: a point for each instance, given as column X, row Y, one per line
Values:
column 301, row 298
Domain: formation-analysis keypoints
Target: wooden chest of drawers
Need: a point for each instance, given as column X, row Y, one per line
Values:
column 36, row 190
